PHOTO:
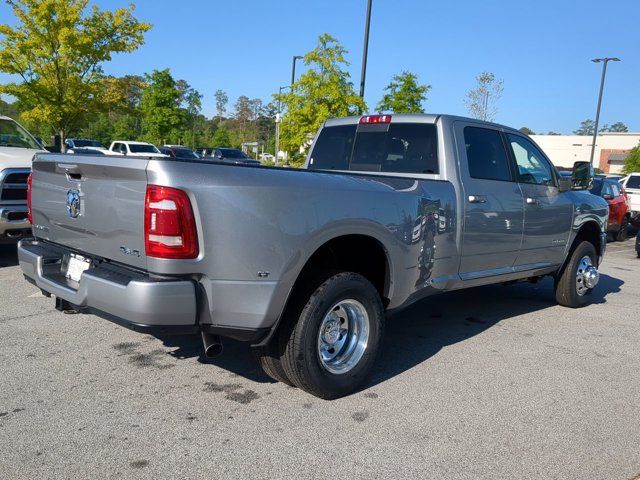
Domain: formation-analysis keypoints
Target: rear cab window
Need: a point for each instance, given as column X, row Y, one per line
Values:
column 410, row 148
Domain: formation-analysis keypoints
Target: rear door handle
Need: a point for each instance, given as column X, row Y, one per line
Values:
column 532, row 201
column 477, row 199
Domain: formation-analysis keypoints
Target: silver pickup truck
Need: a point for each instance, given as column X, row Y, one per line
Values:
column 304, row 264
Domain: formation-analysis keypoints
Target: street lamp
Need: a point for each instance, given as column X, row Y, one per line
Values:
column 293, row 67
column 278, row 121
column 604, row 62
column 365, row 49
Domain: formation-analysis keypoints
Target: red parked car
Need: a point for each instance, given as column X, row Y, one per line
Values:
column 616, row 197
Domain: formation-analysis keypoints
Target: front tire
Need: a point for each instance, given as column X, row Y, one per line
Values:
column 621, row 236
column 576, row 280
column 332, row 347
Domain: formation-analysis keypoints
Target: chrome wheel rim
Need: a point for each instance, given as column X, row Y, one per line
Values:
column 587, row 276
column 343, row 336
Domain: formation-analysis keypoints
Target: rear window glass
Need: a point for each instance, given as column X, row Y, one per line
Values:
column 633, row 182
column 332, row 150
column 403, row 148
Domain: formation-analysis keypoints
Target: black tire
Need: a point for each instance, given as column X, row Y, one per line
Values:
column 566, row 280
column 301, row 359
column 621, row 236
column 269, row 358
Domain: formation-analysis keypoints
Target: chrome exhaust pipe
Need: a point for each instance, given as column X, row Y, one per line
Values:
column 212, row 344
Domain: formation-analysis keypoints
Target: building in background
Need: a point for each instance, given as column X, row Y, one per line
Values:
column 611, row 149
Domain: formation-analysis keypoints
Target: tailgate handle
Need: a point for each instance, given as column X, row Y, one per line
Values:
column 74, row 176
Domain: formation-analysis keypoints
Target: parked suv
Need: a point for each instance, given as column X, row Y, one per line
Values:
column 178, row 151
column 228, row 155
column 619, row 215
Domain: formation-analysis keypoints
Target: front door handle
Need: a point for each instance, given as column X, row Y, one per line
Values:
column 477, row 199
column 532, row 201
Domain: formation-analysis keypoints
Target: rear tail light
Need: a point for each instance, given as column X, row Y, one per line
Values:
column 169, row 224
column 371, row 119
column 29, row 213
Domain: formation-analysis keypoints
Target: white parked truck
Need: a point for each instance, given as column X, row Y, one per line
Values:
column 17, row 148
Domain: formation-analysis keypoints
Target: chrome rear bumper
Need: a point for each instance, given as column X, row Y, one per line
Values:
column 127, row 297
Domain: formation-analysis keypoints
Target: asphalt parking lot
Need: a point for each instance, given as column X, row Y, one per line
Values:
column 496, row 382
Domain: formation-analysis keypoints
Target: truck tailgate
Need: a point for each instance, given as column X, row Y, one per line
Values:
column 91, row 204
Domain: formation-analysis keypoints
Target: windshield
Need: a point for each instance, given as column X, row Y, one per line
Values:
column 142, row 148
column 87, row 143
column 633, row 182
column 185, row 153
column 232, row 153
column 13, row 135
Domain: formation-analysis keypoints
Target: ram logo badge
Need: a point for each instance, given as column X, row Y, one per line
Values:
column 73, row 203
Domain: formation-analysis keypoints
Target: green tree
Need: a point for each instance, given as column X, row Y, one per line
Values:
column 191, row 103
column 482, row 101
column 57, row 48
column 632, row 162
column 119, row 116
column 223, row 138
column 323, row 91
column 527, row 131
column 404, row 95
column 221, row 103
column 160, row 107
column 616, row 127
column 586, row 127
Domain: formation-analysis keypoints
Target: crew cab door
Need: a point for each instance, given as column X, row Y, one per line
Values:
column 548, row 213
column 493, row 203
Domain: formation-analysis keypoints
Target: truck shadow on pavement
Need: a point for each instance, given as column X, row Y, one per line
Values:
column 8, row 256
column 422, row 330
column 417, row 333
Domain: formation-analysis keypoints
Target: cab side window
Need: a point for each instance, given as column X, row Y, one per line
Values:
column 531, row 164
column 486, row 155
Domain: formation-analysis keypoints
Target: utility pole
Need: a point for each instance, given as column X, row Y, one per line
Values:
column 278, row 119
column 365, row 49
column 604, row 62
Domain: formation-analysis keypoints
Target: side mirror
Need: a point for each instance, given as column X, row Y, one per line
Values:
column 565, row 184
column 582, row 175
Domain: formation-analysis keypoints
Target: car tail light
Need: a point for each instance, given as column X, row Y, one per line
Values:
column 169, row 224
column 371, row 119
column 29, row 214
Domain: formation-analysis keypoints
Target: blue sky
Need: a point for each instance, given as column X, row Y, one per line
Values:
column 541, row 49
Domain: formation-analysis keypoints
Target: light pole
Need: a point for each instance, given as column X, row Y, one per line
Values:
column 365, row 49
column 604, row 74
column 293, row 67
column 278, row 122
